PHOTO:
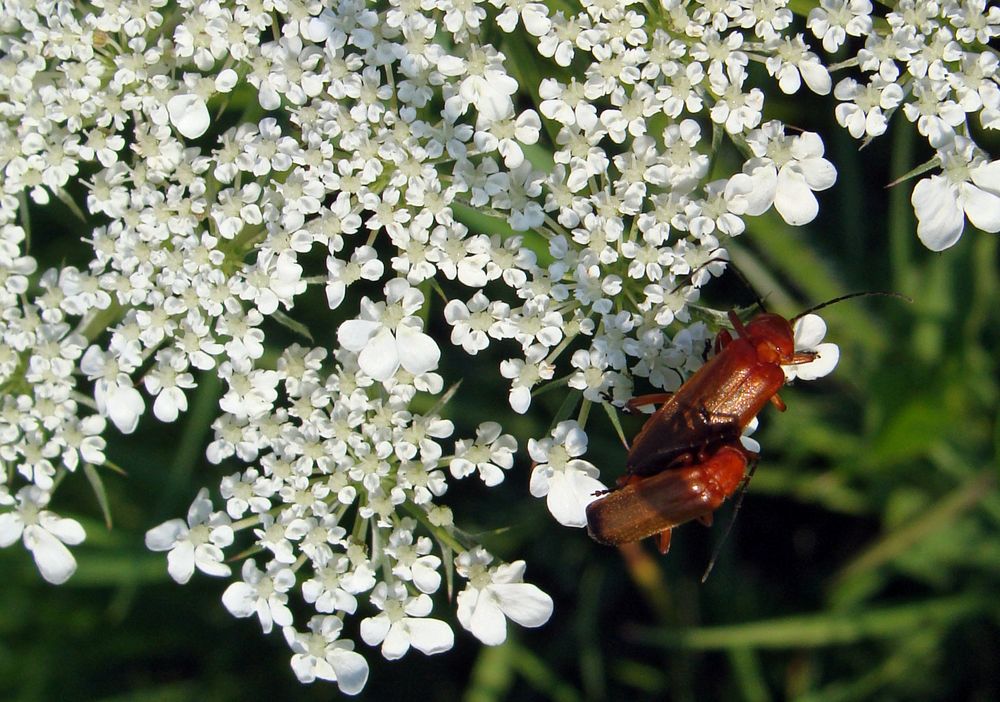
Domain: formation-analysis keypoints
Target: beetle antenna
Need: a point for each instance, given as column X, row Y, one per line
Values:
column 866, row 293
column 758, row 300
column 732, row 520
column 724, row 258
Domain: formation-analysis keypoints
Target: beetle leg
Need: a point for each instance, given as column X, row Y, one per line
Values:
column 663, row 541
column 778, row 402
column 722, row 340
column 706, row 519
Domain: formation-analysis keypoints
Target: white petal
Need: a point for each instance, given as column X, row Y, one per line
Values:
column 54, row 561
column 940, row 220
column 809, row 331
column 575, row 439
column 491, row 475
column 789, row 80
column 793, row 199
column 125, row 405
column 507, row 573
column 816, row 76
column 535, row 19
column 180, row 562
column 397, row 642
column 351, row 669
column 426, row 578
column 189, row 114
column 418, row 353
column 987, row 176
column 164, row 536
column 226, row 80
column 819, row 173
column 354, row 334
column 208, row 558
column 762, row 191
column 165, row 408
column 281, row 615
column 430, row 636
column 304, row 667
column 239, row 599
column 520, row 399
column 11, row 527
column 335, row 291
column 263, row 612
column 569, row 495
column 981, row 207
column 69, row 531
column 524, row 603
column 488, row 624
column 374, row 629
column 540, row 480
column 378, row 359
column 807, row 146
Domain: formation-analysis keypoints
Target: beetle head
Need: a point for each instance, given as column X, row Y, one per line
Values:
column 772, row 338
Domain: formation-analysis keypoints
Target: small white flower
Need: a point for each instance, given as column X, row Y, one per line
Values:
column 335, row 584
column 568, row 483
column 968, row 186
column 865, row 106
column 491, row 454
column 809, row 332
column 414, row 561
column 474, row 322
column 114, row 393
column 495, row 594
column 736, row 110
column 525, row 374
column 785, row 173
column 592, row 375
column 404, row 623
column 320, row 654
column 44, row 533
column 833, row 20
column 792, row 63
column 263, row 594
column 197, row 544
column 364, row 264
column 533, row 14
column 388, row 335
column 167, row 381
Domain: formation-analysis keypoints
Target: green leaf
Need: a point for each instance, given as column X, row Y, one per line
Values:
column 899, row 541
column 492, row 676
column 910, row 431
column 97, row 484
column 826, row 629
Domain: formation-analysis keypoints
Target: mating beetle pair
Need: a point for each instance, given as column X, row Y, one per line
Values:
column 688, row 458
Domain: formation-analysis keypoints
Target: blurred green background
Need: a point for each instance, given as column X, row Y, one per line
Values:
column 865, row 562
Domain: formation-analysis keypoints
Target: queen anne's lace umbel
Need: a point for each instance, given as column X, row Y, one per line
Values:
column 387, row 131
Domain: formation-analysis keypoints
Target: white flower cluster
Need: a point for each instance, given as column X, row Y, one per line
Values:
column 342, row 500
column 933, row 59
column 395, row 154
